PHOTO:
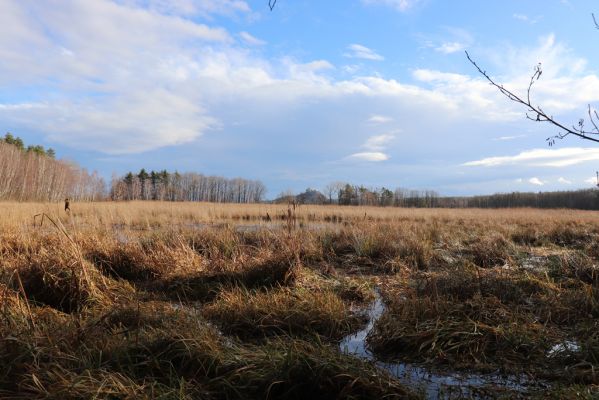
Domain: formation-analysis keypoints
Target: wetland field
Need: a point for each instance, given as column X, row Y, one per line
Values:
column 157, row 300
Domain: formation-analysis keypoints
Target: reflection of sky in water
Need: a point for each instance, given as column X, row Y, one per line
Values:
column 435, row 385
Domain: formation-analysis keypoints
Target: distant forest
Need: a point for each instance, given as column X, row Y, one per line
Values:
column 189, row 186
column 33, row 174
column 346, row 194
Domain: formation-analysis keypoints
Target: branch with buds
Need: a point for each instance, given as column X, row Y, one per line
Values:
column 536, row 113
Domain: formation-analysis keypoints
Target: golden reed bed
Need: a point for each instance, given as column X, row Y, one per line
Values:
column 164, row 214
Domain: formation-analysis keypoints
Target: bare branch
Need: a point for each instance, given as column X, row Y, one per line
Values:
column 592, row 119
column 595, row 21
column 271, row 4
column 538, row 115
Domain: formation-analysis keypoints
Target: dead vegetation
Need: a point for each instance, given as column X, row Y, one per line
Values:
column 210, row 301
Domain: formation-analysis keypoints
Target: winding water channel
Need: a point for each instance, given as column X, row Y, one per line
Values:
column 434, row 385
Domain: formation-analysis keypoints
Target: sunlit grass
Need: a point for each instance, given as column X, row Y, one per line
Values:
column 181, row 300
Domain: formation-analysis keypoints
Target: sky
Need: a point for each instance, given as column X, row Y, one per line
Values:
column 372, row 92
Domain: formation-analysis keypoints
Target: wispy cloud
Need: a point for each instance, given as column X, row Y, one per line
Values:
column 250, row 39
column 503, row 138
column 202, row 8
column 450, row 47
column 536, row 181
column 363, row 52
column 541, row 158
column 591, row 181
column 379, row 119
column 526, row 18
column 378, row 142
column 400, row 5
column 564, row 181
column 369, row 156
column 375, row 146
column 451, row 40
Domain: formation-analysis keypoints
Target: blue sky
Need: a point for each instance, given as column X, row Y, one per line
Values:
column 374, row 92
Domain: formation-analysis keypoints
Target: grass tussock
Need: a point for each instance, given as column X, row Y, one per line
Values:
column 473, row 333
column 255, row 315
column 265, row 272
column 54, row 279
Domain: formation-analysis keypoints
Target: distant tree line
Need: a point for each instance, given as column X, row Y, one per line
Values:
column 360, row 195
column 586, row 199
column 33, row 174
column 189, row 186
column 347, row 194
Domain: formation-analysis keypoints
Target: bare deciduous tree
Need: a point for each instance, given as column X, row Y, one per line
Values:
column 188, row 186
column 31, row 176
column 536, row 113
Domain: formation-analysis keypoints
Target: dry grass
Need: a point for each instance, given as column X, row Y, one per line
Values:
column 284, row 311
column 122, row 300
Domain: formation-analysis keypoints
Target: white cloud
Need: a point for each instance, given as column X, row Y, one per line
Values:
column 541, row 158
column 379, row 119
column 536, row 181
column 450, row 47
column 504, row 138
column 521, row 17
column 450, row 40
column 400, row 5
column 119, row 72
column 203, row 8
column 363, row 52
column 591, row 181
column 378, row 142
column 564, row 86
column 564, row 181
column 375, row 146
column 351, row 69
column 369, row 156
column 127, row 79
column 526, row 18
column 250, row 39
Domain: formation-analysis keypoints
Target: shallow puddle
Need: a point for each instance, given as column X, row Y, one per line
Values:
column 434, row 385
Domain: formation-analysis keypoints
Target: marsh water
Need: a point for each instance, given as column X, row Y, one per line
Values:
column 434, row 385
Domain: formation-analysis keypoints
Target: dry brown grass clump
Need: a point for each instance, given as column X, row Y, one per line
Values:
column 255, row 315
column 54, row 278
column 489, row 250
column 570, row 235
column 270, row 271
column 144, row 259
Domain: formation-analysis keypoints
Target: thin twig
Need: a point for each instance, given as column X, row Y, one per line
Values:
column 538, row 114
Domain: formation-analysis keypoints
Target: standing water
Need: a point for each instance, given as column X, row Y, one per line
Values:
column 433, row 385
